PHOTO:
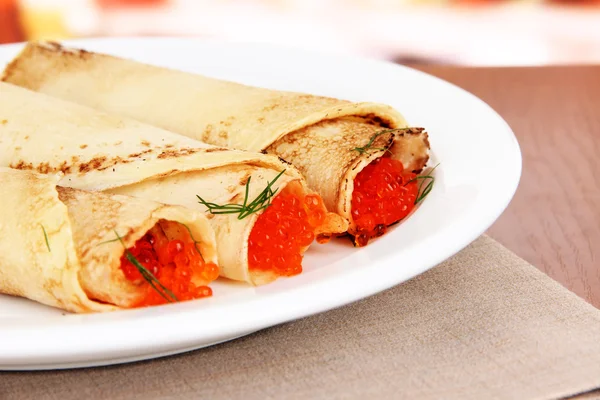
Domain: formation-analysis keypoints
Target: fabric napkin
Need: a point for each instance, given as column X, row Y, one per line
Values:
column 482, row 325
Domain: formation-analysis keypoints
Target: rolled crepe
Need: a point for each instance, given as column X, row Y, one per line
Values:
column 58, row 245
column 331, row 141
column 100, row 152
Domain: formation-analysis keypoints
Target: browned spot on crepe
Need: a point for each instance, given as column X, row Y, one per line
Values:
column 237, row 198
column 133, row 155
column 21, row 165
column 94, row 164
column 207, row 132
column 120, row 160
column 97, row 163
column 115, row 161
column 177, row 153
column 83, row 146
column 376, row 120
column 44, row 168
column 54, row 47
column 51, row 286
column 271, row 107
column 64, row 167
column 165, row 174
column 244, row 179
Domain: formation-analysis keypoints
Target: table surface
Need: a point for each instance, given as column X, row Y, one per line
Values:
column 554, row 220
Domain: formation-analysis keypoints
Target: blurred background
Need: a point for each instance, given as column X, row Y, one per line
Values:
column 463, row 32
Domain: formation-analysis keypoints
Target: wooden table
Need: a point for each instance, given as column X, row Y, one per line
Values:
column 554, row 220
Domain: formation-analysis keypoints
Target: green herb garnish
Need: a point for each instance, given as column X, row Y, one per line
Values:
column 147, row 275
column 262, row 201
column 193, row 240
column 368, row 147
column 46, row 238
column 427, row 180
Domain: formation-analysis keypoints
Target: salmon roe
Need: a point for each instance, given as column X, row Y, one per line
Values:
column 173, row 263
column 283, row 231
column 383, row 194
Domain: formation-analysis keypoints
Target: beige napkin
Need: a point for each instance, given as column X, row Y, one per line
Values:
column 483, row 325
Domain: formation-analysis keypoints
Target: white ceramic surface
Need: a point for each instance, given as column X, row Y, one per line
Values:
column 480, row 166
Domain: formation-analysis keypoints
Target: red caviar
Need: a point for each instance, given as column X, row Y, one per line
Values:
column 283, row 231
column 173, row 263
column 383, row 194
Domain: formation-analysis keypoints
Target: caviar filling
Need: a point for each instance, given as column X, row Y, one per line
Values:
column 384, row 193
column 284, row 230
column 176, row 263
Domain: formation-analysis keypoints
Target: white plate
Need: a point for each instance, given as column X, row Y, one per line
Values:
column 478, row 175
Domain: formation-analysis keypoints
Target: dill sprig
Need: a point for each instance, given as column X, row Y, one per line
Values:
column 161, row 289
column 425, row 186
column 46, row 238
column 369, row 145
column 193, row 240
column 262, row 201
